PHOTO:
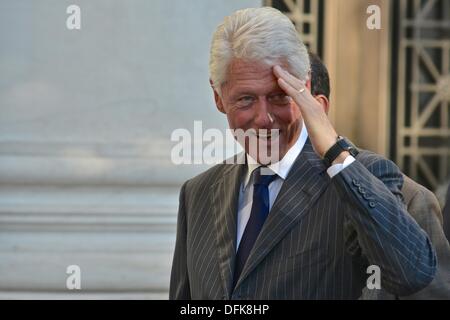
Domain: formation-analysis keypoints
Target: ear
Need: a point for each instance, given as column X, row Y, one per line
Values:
column 308, row 84
column 308, row 81
column 217, row 99
column 324, row 102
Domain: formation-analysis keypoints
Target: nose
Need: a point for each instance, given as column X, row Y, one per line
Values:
column 263, row 120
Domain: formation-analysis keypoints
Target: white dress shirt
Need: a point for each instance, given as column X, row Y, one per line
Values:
column 282, row 169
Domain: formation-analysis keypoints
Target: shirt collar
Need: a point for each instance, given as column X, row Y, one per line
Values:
column 282, row 167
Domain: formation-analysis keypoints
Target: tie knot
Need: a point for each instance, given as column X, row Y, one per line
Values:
column 264, row 176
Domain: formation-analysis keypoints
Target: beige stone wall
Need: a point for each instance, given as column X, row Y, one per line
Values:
column 358, row 61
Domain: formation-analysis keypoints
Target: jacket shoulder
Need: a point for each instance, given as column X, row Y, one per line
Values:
column 369, row 158
column 208, row 175
column 213, row 174
column 420, row 200
column 378, row 164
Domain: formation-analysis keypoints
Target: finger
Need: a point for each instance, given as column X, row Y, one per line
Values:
column 289, row 78
column 289, row 89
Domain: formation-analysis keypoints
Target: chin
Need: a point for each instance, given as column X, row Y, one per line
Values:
column 267, row 157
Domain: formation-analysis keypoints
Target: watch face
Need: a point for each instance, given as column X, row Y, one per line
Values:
column 344, row 144
column 348, row 146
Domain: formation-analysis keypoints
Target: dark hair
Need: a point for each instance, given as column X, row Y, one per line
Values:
column 320, row 80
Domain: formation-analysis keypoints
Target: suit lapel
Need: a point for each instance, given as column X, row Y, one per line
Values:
column 304, row 184
column 225, row 196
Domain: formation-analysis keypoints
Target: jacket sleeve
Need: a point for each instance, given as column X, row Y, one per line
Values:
column 424, row 208
column 385, row 234
column 179, row 279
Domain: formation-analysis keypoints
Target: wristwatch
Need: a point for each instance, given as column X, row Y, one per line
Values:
column 341, row 145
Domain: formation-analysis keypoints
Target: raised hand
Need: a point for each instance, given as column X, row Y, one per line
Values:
column 320, row 129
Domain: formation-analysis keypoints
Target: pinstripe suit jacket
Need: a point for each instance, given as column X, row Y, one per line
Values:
column 424, row 207
column 317, row 242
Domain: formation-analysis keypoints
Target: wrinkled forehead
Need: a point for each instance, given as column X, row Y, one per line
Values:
column 246, row 69
column 251, row 73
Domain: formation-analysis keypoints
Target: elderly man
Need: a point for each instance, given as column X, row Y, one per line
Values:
column 421, row 204
column 307, row 225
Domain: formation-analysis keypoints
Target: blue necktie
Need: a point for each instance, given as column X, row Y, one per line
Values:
column 258, row 215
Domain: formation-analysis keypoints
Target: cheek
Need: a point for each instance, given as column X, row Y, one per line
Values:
column 240, row 119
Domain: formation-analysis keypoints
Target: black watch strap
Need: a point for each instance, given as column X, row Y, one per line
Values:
column 340, row 146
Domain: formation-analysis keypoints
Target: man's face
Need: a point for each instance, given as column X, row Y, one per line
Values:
column 252, row 99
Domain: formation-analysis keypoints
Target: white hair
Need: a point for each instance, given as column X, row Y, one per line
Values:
column 257, row 34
